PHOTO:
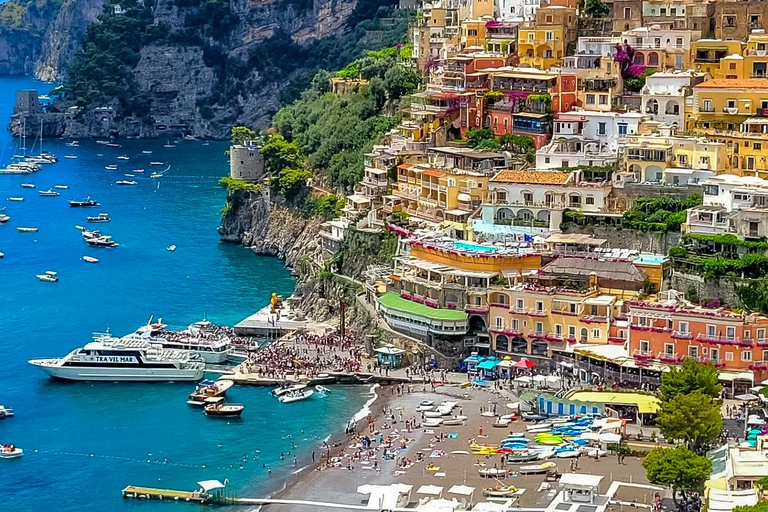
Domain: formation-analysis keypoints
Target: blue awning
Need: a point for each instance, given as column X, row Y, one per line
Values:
column 488, row 365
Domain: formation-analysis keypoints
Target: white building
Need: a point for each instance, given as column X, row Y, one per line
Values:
column 516, row 9
column 664, row 95
column 584, row 137
column 659, row 48
column 601, row 46
column 731, row 204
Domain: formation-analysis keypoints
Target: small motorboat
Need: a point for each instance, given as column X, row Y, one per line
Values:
column 123, row 157
column 433, row 422
column 500, row 491
column 70, row 157
column 147, row 152
column 9, row 451
column 322, row 389
column 126, row 182
column 458, row 420
column 287, row 387
column 102, row 217
column 2, row 255
column 427, row 402
column 27, row 230
column 129, row 175
column 5, row 412
column 530, row 416
column 155, row 163
column 102, row 241
column 90, row 259
column 295, row 396
column 156, row 175
column 28, row 185
column 568, row 454
column 49, row 277
column 170, row 248
column 86, row 203
column 493, row 472
column 500, row 423
column 138, row 171
column 169, row 145
column 524, row 456
column 224, row 410
column 594, row 452
column 536, row 468
column 424, row 408
column 113, row 145
column 49, row 193
column 73, row 144
column 16, row 199
column 61, row 187
column 208, row 389
column 432, row 414
column 4, row 218
column 110, row 167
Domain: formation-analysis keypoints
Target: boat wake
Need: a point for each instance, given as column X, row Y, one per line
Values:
column 366, row 410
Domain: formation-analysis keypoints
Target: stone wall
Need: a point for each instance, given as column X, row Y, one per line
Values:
column 723, row 290
column 652, row 241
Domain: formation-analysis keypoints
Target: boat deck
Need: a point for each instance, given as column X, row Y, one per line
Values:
column 133, row 491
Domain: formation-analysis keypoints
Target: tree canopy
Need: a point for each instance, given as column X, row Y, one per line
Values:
column 678, row 468
column 687, row 378
column 596, row 9
column 694, row 418
column 241, row 134
column 761, row 506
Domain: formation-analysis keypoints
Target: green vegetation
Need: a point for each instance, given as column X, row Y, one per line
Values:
column 335, row 131
column 483, row 139
column 726, row 243
column 233, row 185
column 12, row 15
column 687, row 378
column 761, row 506
column 659, row 214
column 693, row 418
column 678, row 468
column 326, row 207
column 637, row 84
column 111, row 46
column 596, row 9
column 241, row 134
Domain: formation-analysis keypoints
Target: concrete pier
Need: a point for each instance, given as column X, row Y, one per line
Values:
column 272, row 325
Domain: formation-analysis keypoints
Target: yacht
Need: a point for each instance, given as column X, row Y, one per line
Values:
column 199, row 338
column 102, row 217
column 4, row 218
column 49, row 193
column 110, row 167
column 88, row 202
column 20, row 168
column 16, row 199
column 28, row 185
column 126, row 182
column 123, row 157
column 49, row 277
column 118, row 359
column 101, row 241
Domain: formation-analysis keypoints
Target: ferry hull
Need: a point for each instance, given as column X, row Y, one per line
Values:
column 119, row 374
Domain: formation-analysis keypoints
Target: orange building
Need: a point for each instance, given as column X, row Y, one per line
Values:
column 668, row 333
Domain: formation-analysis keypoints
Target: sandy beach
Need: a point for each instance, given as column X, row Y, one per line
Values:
column 424, row 446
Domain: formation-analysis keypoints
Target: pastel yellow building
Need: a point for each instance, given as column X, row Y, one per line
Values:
column 440, row 195
column 733, row 112
column 542, row 44
column 473, row 32
column 707, row 54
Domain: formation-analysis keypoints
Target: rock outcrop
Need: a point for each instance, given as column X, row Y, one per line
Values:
column 274, row 229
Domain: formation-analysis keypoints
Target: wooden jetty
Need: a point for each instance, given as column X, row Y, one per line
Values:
column 151, row 493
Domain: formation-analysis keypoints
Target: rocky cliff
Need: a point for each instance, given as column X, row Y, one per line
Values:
column 274, row 229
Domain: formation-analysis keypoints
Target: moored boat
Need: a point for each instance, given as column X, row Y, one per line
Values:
column 123, row 157
column 102, row 241
column 295, row 396
column 5, row 412
column 88, row 202
column 110, row 167
column 287, row 387
column 170, row 248
column 322, row 389
column 28, row 185
column 500, row 491
column 61, row 187
column 209, row 389
column 49, row 277
column 155, row 163
column 90, row 259
column 493, row 472
column 224, row 410
column 536, row 468
column 16, row 199
column 27, row 230
column 70, row 157
column 4, row 218
column 126, row 182
column 49, row 193
column 102, row 217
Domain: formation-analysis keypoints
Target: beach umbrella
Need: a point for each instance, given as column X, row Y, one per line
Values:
column 746, row 397
column 524, row 379
column 430, row 490
column 539, row 378
column 461, row 490
column 525, row 364
column 590, row 436
column 507, row 358
column 364, row 489
column 609, row 438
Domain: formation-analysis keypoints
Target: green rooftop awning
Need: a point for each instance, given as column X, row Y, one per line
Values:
column 392, row 300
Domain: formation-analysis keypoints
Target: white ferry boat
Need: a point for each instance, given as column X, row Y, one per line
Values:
column 198, row 339
column 123, row 360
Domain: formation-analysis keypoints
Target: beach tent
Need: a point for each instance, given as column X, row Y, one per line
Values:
column 487, row 367
column 439, row 505
column 487, row 506
column 471, row 362
column 462, row 490
column 504, row 368
column 430, row 490
column 746, row 397
column 207, row 486
column 554, row 381
column 523, row 379
column 590, row 436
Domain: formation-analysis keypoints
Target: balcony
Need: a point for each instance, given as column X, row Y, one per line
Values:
column 643, row 355
column 616, row 340
column 500, row 305
column 539, row 313
column 682, row 335
column 666, row 357
column 593, row 319
column 553, row 337
column 505, row 331
column 758, row 366
column 476, row 309
column 517, row 311
column 720, row 340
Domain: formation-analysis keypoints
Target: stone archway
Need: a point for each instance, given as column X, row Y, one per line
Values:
column 518, row 345
column 476, row 324
column 502, row 343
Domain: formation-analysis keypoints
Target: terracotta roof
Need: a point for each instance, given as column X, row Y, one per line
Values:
column 543, row 177
column 405, row 166
column 736, row 83
column 433, row 173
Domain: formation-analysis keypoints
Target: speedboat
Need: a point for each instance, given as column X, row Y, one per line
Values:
column 209, row 389
column 287, row 387
column 171, row 248
column 28, row 185
column 224, row 410
column 156, row 175
column 61, row 187
column 138, row 171
column 27, row 230
column 110, row 167
column 127, row 175
column 127, row 182
column 322, row 389
column 155, row 163
column 111, row 359
column 87, row 202
column 49, row 193
column 113, row 145
column 49, row 277
column 90, row 259
column 9, row 451
column 73, row 144
column 5, row 412
column 102, row 241
column 295, row 396
column 105, row 142
column 16, row 199
column 123, row 157
column 102, row 217
column 147, row 152
column 71, row 157
column 4, row 218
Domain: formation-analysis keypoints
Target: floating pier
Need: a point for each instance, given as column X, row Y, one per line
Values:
column 151, row 493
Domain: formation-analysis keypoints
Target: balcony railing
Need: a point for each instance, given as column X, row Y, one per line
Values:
column 720, row 340
column 476, row 309
column 593, row 319
column 682, row 335
column 643, row 355
column 540, row 313
column 668, row 358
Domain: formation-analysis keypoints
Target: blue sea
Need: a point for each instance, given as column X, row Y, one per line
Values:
column 84, row 442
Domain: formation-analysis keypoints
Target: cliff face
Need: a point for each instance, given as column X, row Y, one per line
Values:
column 62, row 38
column 275, row 230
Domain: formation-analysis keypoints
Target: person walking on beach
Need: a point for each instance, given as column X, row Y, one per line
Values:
column 313, row 455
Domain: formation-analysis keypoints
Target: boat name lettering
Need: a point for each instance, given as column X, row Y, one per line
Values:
column 115, row 359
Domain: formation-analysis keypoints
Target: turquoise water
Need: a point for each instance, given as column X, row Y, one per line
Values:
column 84, row 442
column 469, row 247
